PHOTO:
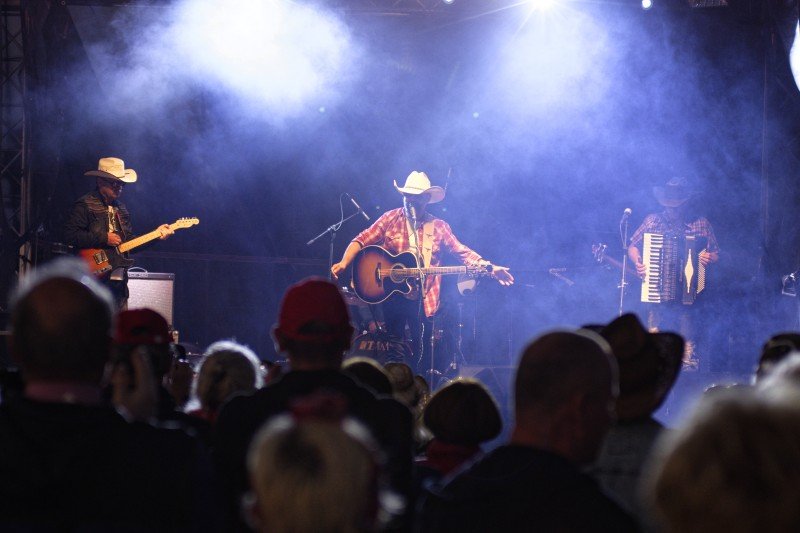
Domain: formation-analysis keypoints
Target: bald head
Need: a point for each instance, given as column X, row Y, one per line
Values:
column 564, row 391
column 560, row 364
column 61, row 323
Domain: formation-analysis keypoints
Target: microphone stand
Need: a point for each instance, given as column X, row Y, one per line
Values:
column 623, row 283
column 332, row 229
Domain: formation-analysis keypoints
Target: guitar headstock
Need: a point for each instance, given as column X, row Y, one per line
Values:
column 186, row 222
column 480, row 270
column 599, row 251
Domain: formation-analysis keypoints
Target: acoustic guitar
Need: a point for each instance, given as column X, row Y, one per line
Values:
column 378, row 274
column 104, row 260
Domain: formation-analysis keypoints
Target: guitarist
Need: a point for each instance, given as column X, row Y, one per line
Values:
column 411, row 228
column 99, row 220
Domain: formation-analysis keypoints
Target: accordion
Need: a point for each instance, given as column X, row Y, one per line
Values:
column 674, row 272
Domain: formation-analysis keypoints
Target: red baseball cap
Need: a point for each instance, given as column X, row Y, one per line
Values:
column 314, row 302
column 141, row 326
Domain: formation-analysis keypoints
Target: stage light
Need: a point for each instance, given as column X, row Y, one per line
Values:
column 276, row 54
column 448, row 2
column 647, row 4
column 541, row 5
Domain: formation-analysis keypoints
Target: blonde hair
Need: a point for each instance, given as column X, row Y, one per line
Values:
column 228, row 368
column 734, row 467
column 313, row 476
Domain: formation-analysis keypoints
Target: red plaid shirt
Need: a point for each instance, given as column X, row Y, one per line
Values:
column 391, row 232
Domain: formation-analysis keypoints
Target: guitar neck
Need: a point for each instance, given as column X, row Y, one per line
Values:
column 432, row 271
column 141, row 239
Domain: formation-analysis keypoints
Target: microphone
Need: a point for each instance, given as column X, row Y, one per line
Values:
column 626, row 214
column 412, row 213
column 353, row 201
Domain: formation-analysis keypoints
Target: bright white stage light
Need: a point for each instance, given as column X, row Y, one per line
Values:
column 647, row 4
column 276, row 53
column 541, row 5
column 448, row 2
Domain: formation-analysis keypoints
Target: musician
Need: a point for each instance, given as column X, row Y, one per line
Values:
column 412, row 228
column 99, row 220
column 676, row 219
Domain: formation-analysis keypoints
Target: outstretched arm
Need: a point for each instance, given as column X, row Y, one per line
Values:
column 469, row 256
column 502, row 275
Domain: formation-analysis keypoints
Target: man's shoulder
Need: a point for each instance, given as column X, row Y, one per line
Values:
column 92, row 201
column 517, row 483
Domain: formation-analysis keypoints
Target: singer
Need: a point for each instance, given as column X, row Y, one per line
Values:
column 677, row 219
column 411, row 228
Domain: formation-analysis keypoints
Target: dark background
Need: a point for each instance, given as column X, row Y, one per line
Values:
column 544, row 126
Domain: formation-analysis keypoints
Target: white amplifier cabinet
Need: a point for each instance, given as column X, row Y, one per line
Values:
column 153, row 290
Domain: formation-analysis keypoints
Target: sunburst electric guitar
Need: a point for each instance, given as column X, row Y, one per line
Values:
column 377, row 273
column 103, row 260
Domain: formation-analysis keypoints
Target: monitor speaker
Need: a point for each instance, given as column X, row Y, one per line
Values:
column 153, row 290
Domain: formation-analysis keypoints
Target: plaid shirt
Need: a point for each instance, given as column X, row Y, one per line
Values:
column 391, row 232
column 659, row 223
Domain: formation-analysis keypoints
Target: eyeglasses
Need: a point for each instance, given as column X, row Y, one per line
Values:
column 113, row 184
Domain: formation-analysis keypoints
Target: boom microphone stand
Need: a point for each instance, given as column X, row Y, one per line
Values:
column 332, row 229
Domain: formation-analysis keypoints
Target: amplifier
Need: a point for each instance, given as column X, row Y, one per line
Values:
column 153, row 290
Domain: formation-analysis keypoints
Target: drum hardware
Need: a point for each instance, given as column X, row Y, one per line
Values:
column 381, row 347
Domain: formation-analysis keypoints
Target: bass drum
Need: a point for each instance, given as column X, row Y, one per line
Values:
column 382, row 348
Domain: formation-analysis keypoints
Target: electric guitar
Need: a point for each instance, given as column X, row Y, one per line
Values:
column 378, row 274
column 104, row 260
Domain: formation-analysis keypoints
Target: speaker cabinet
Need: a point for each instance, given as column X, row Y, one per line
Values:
column 153, row 290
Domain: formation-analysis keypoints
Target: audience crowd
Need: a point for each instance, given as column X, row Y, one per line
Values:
column 109, row 428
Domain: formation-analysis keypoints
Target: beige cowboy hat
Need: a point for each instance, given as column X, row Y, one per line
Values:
column 674, row 194
column 418, row 183
column 113, row 168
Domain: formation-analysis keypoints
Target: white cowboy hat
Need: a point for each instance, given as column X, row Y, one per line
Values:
column 113, row 168
column 418, row 183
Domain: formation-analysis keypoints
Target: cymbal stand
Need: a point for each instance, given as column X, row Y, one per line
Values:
column 458, row 354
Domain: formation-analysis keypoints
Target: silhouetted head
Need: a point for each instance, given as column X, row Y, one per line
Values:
column 313, row 325
column 565, row 389
column 61, row 324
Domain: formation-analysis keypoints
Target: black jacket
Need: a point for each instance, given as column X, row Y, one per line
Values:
column 87, row 224
column 517, row 488
column 66, row 467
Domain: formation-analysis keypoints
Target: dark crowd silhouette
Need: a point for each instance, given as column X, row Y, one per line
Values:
column 110, row 427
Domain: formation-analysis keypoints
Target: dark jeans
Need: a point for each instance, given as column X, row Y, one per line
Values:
column 406, row 320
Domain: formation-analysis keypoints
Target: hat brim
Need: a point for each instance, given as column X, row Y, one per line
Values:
column 649, row 364
column 644, row 395
column 129, row 177
column 667, row 201
column 436, row 192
